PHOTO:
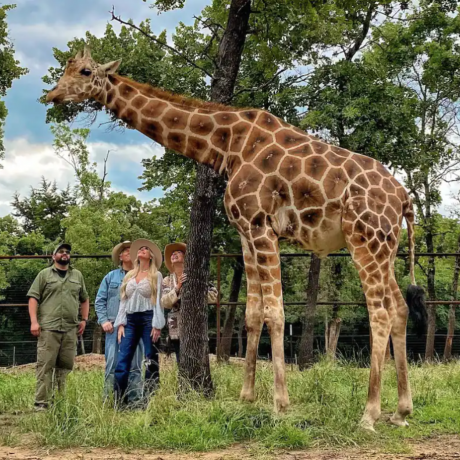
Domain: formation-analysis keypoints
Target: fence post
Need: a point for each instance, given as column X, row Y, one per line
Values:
column 218, row 350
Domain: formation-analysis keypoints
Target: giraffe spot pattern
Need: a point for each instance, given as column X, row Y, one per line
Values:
column 268, row 160
column 290, row 168
column 315, row 167
column 274, row 194
column 257, row 141
column 175, row 119
column 246, row 181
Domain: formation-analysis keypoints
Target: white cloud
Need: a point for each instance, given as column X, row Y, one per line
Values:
column 26, row 163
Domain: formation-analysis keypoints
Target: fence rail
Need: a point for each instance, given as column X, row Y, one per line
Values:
column 218, row 257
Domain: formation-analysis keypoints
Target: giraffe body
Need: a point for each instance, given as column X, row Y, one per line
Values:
column 282, row 183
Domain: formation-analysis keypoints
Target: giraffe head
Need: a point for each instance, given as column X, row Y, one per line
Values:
column 83, row 78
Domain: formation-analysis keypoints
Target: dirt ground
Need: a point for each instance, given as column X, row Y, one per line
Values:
column 445, row 448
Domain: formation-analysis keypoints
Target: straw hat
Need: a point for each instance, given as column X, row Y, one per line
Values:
column 137, row 244
column 169, row 249
column 117, row 250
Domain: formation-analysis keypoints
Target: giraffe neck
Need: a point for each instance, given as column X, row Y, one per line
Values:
column 184, row 125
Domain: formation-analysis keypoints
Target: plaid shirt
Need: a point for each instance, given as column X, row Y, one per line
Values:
column 171, row 301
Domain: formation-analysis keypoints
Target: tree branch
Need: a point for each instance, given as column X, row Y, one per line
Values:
column 151, row 37
column 263, row 86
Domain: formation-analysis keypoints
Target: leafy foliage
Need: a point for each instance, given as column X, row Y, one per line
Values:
column 10, row 69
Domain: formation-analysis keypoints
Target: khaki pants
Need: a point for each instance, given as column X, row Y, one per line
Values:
column 55, row 352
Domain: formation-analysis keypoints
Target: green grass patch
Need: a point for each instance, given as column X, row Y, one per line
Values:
column 327, row 402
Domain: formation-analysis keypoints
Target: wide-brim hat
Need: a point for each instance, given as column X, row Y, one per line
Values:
column 169, row 249
column 137, row 244
column 117, row 250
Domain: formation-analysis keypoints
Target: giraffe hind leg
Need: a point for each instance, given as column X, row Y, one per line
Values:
column 372, row 257
column 398, row 337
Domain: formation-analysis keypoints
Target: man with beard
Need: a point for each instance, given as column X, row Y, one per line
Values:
column 55, row 297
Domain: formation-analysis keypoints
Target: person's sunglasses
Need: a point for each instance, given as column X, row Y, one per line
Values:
column 63, row 252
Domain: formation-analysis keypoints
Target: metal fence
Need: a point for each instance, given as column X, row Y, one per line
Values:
column 17, row 346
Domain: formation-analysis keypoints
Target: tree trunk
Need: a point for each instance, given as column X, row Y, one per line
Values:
column 194, row 370
column 431, row 309
column 333, row 333
column 333, row 328
column 97, row 339
column 308, row 324
column 240, row 337
column 227, row 332
column 451, row 324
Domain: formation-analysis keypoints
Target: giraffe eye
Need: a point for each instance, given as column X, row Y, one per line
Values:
column 85, row 72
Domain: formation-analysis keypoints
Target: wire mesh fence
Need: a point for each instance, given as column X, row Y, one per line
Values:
column 340, row 298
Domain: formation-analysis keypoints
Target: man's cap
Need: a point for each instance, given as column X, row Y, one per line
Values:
column 117, row 250
column 62, row 245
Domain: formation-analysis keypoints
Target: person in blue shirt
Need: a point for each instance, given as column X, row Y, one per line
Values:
column 107, row 305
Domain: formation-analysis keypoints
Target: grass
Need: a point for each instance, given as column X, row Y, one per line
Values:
column 327, row 402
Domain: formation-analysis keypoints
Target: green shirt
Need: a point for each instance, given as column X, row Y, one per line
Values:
column 58, row 298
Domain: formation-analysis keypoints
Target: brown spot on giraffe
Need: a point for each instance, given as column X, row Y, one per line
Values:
column 307, row 194
column 257, row 141
column 315, row 167
column 290, row 168
column 138, row 102
column 154, row 109
column 175, row 119
column 126, row 92
column 246, row 181
column 269, row 159
column 221, row 138
column 225, row 118
column 274, row 194
column 268, row 122
column 239, row 133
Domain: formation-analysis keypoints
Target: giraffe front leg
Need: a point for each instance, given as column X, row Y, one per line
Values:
column 254, row 322
column 380, row 326
column 269, row 268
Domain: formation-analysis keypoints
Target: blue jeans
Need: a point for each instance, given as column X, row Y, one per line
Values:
column 138, row 327
column 111, row 360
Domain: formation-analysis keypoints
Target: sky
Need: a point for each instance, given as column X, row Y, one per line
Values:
column 35, row 28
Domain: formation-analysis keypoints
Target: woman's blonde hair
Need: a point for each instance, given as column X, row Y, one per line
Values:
column 152, row 277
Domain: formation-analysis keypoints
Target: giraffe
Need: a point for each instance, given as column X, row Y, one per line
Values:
column 282, row 183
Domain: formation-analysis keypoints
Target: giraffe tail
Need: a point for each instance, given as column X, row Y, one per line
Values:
column 415, row 295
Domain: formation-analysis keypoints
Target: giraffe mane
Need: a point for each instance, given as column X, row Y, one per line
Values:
column 179, row 99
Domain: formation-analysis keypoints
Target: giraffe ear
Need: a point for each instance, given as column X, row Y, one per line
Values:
column 110, row 67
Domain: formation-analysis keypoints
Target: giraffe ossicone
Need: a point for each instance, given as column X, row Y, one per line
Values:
column 282, row 183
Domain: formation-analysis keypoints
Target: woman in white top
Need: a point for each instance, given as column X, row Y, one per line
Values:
column 140, row 317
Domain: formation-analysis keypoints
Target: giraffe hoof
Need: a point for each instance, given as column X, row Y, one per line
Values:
column 398, row 421
column 281, row 405
column 367, row 426
column 247, row 396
